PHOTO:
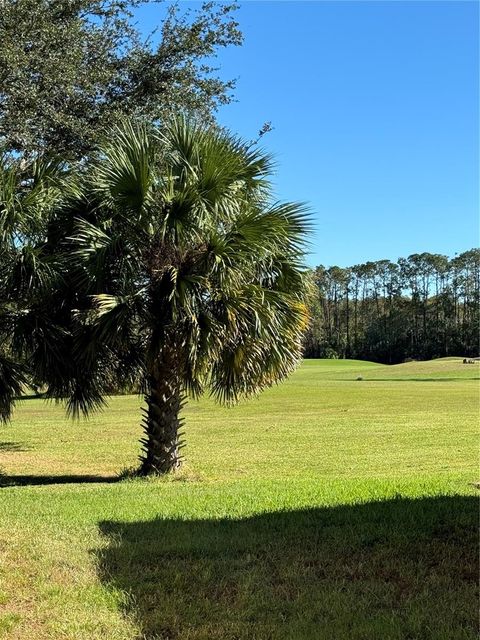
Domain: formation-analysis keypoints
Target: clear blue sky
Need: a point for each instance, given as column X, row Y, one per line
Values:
column 375, row 110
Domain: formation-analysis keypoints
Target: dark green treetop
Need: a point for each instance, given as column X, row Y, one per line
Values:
column 69, row 69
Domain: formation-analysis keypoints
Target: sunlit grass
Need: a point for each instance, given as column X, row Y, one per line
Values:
column 320, row 502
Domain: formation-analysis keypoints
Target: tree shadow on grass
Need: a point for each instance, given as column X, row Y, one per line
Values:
column 13, row 446
column 401, row 569
column 31, row 480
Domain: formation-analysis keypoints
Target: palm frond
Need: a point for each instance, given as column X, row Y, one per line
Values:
column 13, row 380
column 123, row 173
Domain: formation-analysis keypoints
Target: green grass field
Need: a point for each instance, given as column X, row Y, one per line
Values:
column 329, row 508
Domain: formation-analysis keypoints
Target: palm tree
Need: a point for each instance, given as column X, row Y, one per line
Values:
column 28, row 192
column 177, row 274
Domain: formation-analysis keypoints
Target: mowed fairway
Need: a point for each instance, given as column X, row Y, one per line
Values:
column 329, row 508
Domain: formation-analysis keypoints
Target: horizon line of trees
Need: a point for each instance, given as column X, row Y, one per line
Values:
column 421, row 307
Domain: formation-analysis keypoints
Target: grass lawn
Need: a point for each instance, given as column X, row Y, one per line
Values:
column 330, row 508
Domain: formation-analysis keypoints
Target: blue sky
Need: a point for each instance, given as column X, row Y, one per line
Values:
column 375, row 113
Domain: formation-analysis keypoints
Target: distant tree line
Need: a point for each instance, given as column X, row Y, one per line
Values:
column 424, row 306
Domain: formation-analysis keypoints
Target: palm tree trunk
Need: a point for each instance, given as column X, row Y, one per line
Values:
column 162, row 422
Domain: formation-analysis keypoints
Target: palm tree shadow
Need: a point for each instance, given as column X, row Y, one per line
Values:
column 35, row 480
column 401, row 568
column 13, row 446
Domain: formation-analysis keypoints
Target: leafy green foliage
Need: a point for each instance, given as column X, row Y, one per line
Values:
column 27, row 270
column 68, row 70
